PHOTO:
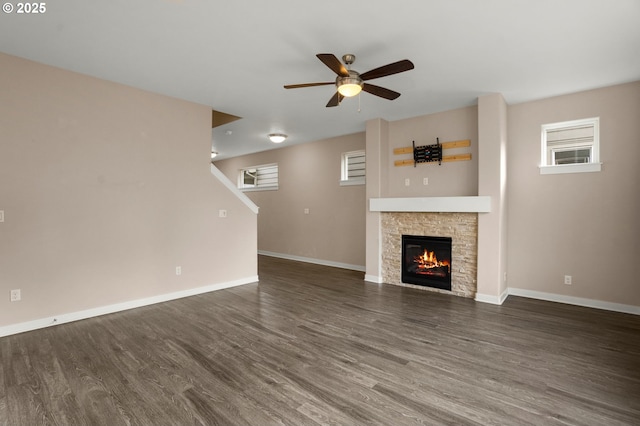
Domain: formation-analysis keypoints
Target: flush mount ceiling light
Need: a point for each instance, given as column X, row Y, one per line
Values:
column 277, row 137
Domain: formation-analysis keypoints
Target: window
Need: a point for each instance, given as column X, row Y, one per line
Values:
column 259, row 178
column 571, row 147
column 353, row 168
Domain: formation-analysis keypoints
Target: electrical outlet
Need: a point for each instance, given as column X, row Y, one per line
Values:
column 306, row 211
column 425, row 181
column 15, row 295
column 407, row 182
column 567, row 279
column 178, row 270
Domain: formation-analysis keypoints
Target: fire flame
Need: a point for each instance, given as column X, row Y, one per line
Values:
column 428, row 260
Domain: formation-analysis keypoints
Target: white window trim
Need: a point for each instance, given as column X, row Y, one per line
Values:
column 261, row 188
column 570, row 168
column 257, row 188
column 353, row 182
column 593, row 166
column 344, row 171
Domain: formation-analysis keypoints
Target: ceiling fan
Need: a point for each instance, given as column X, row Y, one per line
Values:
column 350, row 82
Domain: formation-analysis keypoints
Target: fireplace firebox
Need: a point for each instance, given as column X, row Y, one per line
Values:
column 426, row 261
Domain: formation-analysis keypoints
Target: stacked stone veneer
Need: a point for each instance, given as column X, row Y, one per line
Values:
column 461, row 227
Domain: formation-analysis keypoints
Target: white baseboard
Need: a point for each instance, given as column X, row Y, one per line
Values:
column 312, row 260
column 118, row 307
column 579, row 301
column 494, row 300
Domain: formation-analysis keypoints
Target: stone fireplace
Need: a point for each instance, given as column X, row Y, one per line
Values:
column 447, row 217
column 462, row 228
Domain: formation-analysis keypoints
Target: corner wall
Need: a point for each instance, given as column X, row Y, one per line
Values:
column 492, row 182
column 586, row 224
column 107, row 189
column 333, row 232
column 377, row 139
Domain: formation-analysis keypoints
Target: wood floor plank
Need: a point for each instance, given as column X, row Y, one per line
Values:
column 4, row 411
column 58, row 400
column 314, row 345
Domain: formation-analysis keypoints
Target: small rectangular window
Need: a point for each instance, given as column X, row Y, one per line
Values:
column 571, row 147
column 353, row 168
column 258, row 178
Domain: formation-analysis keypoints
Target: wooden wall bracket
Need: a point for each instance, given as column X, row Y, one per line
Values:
column 432, row 153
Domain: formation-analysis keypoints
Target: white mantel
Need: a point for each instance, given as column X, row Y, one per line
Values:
column 471, row 204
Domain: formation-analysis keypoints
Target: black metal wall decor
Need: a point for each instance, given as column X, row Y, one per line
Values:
column 427, row 153
column 432, row 153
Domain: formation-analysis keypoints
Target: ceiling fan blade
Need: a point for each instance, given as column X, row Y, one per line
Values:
column 380, row 91
column 297, row 86
column 389, row 69
column 334, row 63
column 335, row 100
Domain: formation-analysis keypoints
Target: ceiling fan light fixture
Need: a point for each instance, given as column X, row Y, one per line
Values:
column 349, row 90
column 350, row 86
column 277, row 137
column 349, row 83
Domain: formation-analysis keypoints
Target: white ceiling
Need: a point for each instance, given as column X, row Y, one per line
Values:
column 235, row 56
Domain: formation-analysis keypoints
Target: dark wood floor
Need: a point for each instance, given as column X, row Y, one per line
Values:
column 316, row 345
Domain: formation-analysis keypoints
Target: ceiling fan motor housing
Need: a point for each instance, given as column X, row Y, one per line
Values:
column 352, row 80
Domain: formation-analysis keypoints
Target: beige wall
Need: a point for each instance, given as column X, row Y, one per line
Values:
column 309, row 177
column 378, row 155
column 106, row 189
column 492, row 182
column 449, row 179
column 585, row 225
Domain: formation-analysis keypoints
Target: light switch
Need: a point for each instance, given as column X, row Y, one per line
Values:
column 407, row 182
